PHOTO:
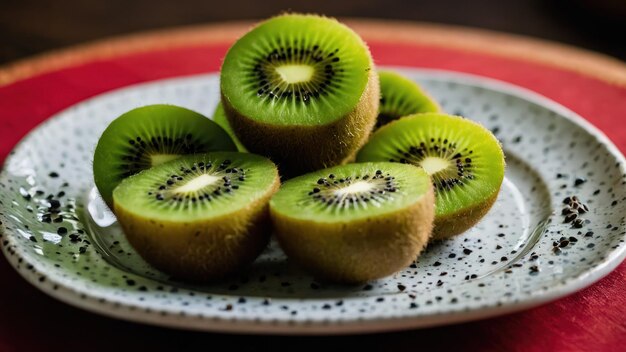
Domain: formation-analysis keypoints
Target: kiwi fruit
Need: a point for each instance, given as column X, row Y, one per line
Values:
column 356, row 222
column 151, row 135
column 201, row 216
column 400, row 96
column 219, row 116
column 301, row 90
column 464, row 160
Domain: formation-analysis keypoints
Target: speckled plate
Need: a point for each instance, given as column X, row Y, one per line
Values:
column 62, row 239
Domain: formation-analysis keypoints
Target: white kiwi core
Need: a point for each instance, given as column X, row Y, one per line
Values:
column 355, row 188
column 295, row 73
column 433, row 164
column 197, row 184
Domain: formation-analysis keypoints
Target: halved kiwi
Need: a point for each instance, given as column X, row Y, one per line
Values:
column 301, row 90
column 400, row 96
column 151, row 135
column 464, row 160
column 201, row 216
column 355, row 222
column 219, row 116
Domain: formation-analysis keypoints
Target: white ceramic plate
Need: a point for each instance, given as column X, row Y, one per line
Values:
column 63, row 240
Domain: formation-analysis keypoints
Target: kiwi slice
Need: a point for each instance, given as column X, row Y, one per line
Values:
column 219, row 116
column 400, row 96
column 199, row 217
column 355, row 222
column 464, row 160
column 151, row 135
column 302, row 90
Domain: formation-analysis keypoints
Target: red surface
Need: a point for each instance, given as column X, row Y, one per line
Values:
column 591, row 320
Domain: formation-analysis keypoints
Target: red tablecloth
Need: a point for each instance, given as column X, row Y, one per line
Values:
column 593, row 319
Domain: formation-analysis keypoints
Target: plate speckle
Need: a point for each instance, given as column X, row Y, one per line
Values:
column 557, row 226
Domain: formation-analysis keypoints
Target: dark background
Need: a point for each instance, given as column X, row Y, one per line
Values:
column 29, row 27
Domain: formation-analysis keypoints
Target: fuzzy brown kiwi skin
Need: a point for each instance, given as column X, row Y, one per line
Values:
column 202, row 251
column 301, row 149
column 358, row 251
column 455, row 224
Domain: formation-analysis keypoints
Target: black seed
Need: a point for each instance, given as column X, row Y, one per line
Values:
column 567, row 211
column 578, row 223
column 570, row 218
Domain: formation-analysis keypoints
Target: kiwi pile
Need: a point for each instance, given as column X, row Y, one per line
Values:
column 371, row 168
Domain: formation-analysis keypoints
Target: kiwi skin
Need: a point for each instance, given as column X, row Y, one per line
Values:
column 202, row 251
column 290, row 146
column 455, row 224
column 358, row 251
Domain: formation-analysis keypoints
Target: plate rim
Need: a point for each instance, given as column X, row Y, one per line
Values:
column 132, row 312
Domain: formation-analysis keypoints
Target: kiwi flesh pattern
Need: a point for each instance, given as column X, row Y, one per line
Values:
column 459, row 171
column 355, row 222
column 296, row 70
column 327, row 66
column 201, row 216
column 465, row 162
column 230, row 180
column 151, row 135
column 326, row 189
column 137, row 154
column 295, row 81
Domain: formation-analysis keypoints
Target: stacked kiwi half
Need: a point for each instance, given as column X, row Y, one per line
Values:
column 372, row 169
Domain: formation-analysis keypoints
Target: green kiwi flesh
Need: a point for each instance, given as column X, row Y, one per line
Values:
column 355, row 222
column 201, row 216
column 148, row 136
column 464, row 160
column 295, row 81
column 219, row 116
column 400, row 96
